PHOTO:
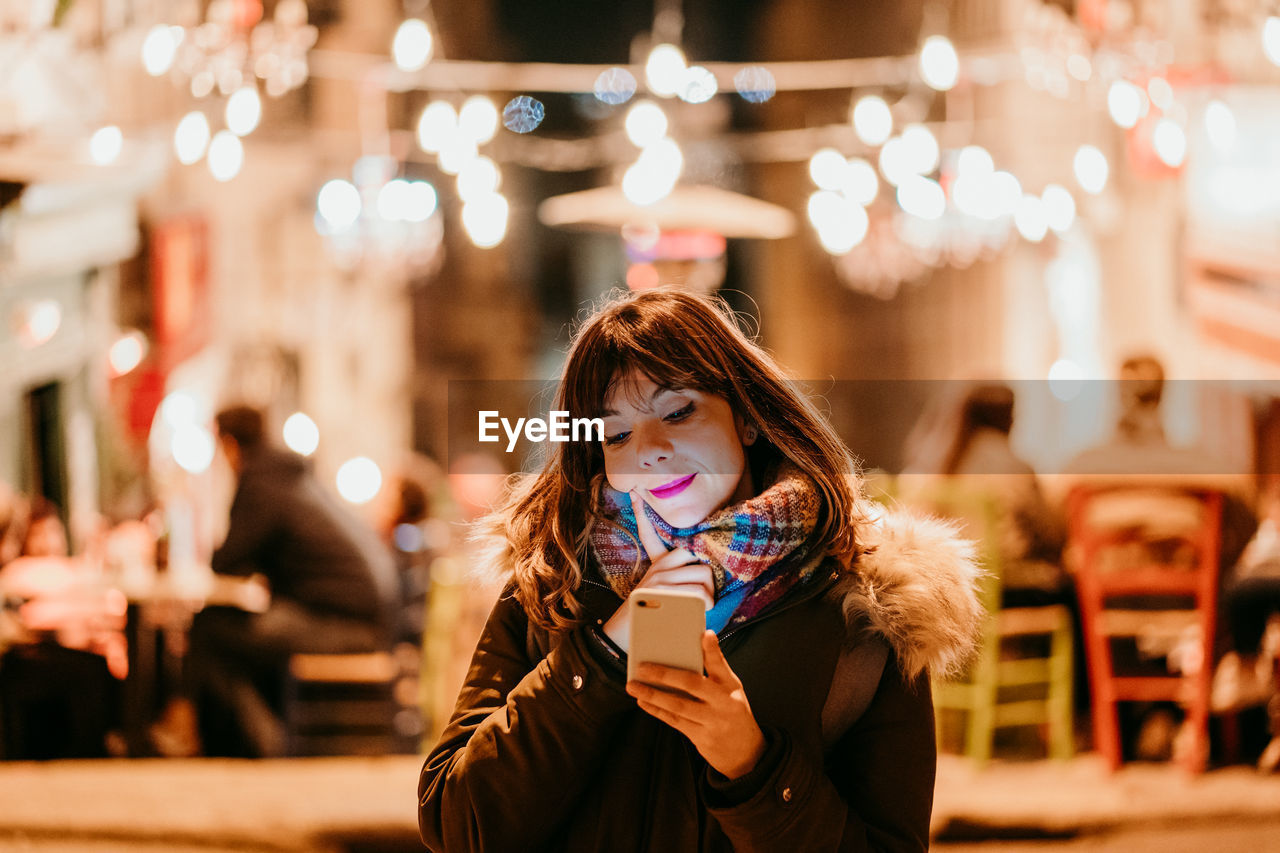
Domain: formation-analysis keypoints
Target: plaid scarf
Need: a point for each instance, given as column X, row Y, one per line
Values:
column 746, row 545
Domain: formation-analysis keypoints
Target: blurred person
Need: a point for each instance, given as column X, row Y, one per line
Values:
column 812, row 728
column 46, row 535
column 978, row 456
column 64, row 647
column 1156, row 518
column 332, row 591
column 1250, row 600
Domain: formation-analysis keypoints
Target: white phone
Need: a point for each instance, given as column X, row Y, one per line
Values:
column 666, row 628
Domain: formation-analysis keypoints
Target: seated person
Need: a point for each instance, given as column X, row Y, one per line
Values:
column 332, row 590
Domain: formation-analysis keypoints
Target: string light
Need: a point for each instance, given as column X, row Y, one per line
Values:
column 1091, row 169
column 939, row 64
column 665, row 70
column 412, row 46
column 191, row 137
column 872, row 120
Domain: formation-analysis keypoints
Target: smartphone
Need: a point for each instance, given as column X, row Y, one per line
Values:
column 666, row 628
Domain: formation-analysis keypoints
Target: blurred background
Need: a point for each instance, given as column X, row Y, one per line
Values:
column 365, row 219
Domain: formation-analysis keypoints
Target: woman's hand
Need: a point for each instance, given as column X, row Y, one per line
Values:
column 711, row 710
column 676, row 569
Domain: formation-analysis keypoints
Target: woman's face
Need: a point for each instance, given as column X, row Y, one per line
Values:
column 680, row 450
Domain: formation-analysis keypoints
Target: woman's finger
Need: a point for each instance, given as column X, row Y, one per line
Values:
column 694, row 684
column 653, row 547
column 714, row 661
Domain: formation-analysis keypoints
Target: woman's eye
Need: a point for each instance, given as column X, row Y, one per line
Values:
column 680, row 414
column 617, row 438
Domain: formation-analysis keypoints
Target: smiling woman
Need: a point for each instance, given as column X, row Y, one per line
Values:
column 812, row 725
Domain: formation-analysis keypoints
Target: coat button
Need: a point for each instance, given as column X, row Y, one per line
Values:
column 786, row 795
column 577, row 681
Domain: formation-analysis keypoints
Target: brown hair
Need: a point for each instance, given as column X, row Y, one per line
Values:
column 678, row 340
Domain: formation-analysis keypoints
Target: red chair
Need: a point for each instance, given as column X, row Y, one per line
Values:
column 1153, row 543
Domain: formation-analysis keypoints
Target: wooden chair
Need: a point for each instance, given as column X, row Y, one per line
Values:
column 341, row 704
column 978, row 691
column 1111, row 540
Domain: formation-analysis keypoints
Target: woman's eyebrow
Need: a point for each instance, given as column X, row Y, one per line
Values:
column 607, row 412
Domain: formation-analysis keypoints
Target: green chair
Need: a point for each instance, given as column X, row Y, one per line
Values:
column 978, row 691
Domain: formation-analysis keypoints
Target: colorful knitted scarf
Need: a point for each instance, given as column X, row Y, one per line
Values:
column 746, row 545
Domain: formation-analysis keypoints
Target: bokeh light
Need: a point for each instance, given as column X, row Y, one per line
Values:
column 1220, row 125
column 191, row 138
column 664, row 70
column 244, row 110
column 827, row 168
column 485, row 219
column 1170, row 142
column 127, row 352
column 226, row 155
column 1090, row 166
column 895, row 164
column 478, row 119
column 1030, row 218
column 436, row 126
column 192, row 448
column 359, row 480
column 699, row 85
column 1066, row 379
column 872, row 120
column 1271, row 38
column 412, row 46
column 974, row 160
column 922, row 197
column 1126, row 103
column 1059, row 207
column 921, row 149
column 40, row 322
column 646, row 123
column 1160, row 93
column 159, row 48
column 939, row 64
column 755, row 84
column 338, row 204
column 422, row 202
column 615, row 86
column 860, row 184
column 300, row 433
column 523, row 114
column 105, row 144
column 479, row 177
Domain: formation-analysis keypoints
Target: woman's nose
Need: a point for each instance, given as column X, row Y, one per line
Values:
column 652, row 447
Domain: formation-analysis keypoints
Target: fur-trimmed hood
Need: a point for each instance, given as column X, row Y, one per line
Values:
column 914, row 586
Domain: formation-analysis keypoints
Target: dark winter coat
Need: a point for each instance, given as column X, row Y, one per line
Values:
column 288, row 527
column 546, row 751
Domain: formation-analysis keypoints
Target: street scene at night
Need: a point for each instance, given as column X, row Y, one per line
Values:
column 678, row 425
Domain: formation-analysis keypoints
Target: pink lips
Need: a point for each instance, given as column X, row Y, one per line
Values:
column 675, row 487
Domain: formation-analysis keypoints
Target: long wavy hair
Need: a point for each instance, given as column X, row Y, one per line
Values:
column 678, row 340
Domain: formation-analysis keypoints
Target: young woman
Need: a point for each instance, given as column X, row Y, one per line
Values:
column 812, row 728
